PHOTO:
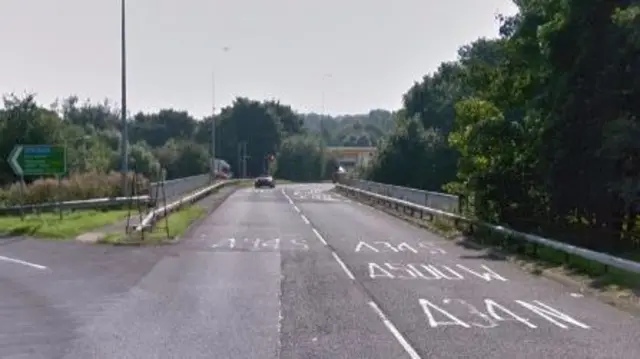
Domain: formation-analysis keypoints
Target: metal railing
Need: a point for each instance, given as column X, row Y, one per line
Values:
column 173, row 189
column 602, row 258
column 178, row 202
column 94, row 203
column 442, row 201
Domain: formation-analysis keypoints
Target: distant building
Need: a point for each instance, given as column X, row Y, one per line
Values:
column 350, row 157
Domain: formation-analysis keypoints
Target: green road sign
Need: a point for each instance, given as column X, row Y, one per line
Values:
column 38, row 160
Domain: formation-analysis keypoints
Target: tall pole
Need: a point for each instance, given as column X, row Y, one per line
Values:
column 213, row 118
column 323, row 115
column 213, row 126
column 240, row 157
column 323, row 144
column 124, row 132
column 244, row 159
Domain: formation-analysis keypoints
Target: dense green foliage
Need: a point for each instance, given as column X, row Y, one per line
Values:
column 175, row 141
column 300, row 159
column 543, row 121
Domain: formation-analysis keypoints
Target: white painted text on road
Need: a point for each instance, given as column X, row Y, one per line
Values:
column 432, row 272
column 257, row 244
column 388, row 247
column 458, row 312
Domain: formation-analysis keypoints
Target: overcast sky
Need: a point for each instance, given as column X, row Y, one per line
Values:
column 373, row 49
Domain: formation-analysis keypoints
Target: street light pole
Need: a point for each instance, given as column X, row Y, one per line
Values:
column 124, row 155
column 322, row 116
column 213, row 126
column 213, row 119
column 323, row 144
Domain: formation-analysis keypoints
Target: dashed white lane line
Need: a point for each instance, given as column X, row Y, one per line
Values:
column 287, row 197
column 396, row 333
column 390, row 326
column 344, row 266
column 25, row 263
column 319, row 236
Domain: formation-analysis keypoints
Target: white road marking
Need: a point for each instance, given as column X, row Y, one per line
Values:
column 296, row 208
column 396, row 333
column 18, row 261
column 319, row 236
column 344, row 266
column 305, row 219
column 287, row 197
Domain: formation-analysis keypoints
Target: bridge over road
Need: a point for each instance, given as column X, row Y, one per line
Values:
column 350, row 157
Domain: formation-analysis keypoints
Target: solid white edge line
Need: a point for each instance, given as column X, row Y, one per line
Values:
column 315, row 231
column 296, row 208
column 305, row 219
column 344, row 266
column 18, row 261
column 396, row 333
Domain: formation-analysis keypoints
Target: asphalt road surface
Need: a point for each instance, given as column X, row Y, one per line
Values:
column 294, row 272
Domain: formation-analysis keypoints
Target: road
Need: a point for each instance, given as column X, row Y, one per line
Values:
column 294, row 272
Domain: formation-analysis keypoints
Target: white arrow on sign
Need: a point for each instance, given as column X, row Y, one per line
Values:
column 13, row 160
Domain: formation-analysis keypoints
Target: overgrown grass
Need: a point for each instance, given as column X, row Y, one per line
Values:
column 74, row 187
column 165, row 230
column 535, row 258
column 49, row 225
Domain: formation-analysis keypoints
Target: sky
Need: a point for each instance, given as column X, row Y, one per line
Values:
column 329, row 56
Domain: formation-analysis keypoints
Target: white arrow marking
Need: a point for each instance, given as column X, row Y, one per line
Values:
column 13, row 160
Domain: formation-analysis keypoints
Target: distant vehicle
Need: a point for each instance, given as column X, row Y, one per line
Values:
column 338, row 175
column 264, row 181
column 222, row 169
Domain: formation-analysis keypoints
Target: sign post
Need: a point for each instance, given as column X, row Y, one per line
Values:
column 37, row 160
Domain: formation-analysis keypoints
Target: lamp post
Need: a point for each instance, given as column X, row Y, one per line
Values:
column 323, row 145
column 323, row 114
column 124, row 134
column 213, row 119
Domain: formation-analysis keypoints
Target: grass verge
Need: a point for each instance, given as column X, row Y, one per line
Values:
column 49, row 225
column 613, row 285
column 164, row 231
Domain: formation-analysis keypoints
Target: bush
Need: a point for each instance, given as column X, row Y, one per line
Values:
column 74, row 187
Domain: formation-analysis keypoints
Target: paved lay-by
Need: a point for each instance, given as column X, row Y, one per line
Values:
column 294, row 272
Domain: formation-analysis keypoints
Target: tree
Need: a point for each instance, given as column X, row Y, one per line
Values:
column 414, row 157
column 300, row 159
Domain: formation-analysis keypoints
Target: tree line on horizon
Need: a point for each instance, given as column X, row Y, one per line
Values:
column 179, row 143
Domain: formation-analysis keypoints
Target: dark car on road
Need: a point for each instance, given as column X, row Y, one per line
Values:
column 264, row 181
